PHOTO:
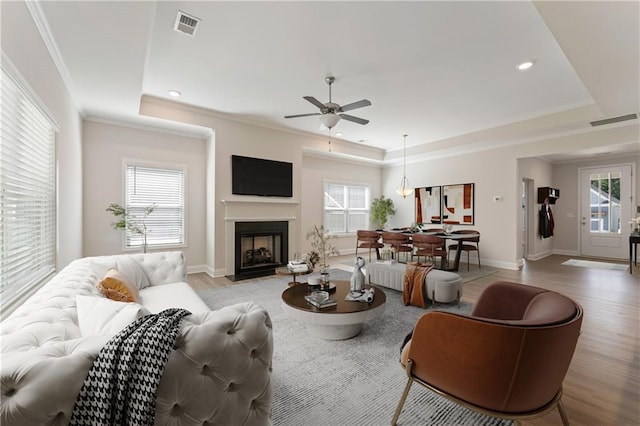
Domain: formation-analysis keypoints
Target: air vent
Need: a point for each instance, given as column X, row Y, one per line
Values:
column 186, row 24
column 614, row 120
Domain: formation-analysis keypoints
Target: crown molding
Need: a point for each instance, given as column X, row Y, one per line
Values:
column 23, row 85
column 45, row 32
column 154, row 125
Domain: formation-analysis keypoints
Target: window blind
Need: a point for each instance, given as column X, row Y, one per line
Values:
column 345, row 207
column 27, row 191
column 164, row 188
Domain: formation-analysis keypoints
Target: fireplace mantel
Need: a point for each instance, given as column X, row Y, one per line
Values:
column 269, row 209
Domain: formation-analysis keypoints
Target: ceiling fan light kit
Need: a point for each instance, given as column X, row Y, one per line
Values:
column 329, row 120
column 330, row 112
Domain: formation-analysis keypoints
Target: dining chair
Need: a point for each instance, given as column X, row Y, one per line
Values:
column 468, row 245
column 430, row 246
column 369, row 240
column 399, row 243
column 507, row 358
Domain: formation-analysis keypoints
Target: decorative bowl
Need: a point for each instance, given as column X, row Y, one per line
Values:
column 319, row 296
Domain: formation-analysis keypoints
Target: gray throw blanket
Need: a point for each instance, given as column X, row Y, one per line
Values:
column 122, row 384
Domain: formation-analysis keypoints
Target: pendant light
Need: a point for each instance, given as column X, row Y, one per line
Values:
column 405, row 188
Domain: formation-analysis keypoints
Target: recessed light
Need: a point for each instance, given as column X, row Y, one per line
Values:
column 525, row 65
column 174, row 93
column 339, row 134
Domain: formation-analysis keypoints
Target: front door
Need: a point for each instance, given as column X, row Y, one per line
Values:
column 606, row 204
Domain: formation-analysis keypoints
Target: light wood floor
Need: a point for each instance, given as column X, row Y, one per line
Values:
column 602, row 386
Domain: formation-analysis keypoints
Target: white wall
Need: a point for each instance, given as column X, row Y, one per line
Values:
column 493, row 173
column 540, row 172
column 318, row 169
column 499, row 172
column 24, row 47
column 105, row 147
column 235, row 137
column 567, row 212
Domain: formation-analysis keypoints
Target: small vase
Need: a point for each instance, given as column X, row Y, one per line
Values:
column 324, row 277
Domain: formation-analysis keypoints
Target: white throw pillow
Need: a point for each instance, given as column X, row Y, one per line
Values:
column 99, row 270
column 99, row 315
column 133, row 271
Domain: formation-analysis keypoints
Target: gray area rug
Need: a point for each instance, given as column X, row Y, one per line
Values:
column 474, row 274
column 351, row 382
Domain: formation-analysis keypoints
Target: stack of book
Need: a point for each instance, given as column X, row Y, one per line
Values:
column 297, row 266
column 321, row 304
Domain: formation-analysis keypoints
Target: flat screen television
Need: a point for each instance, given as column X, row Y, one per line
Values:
column 257, row 176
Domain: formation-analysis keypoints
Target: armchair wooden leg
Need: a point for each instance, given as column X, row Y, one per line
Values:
column 563, row 414
column 402, row 400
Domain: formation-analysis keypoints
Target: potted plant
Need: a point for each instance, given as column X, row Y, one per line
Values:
column 311, row 259
column 320, row 243
column 381, row 210
column 131, row 222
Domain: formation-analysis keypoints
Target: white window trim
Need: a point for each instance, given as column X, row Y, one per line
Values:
column 146, row 163
column 346, row 183
column 25, row 88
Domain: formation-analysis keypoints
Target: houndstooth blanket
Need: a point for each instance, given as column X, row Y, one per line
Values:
column 121, row 386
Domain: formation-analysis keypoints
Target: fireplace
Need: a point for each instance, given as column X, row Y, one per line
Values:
column 260, row 247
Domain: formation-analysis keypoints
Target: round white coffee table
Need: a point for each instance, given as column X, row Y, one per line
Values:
column 340, row 322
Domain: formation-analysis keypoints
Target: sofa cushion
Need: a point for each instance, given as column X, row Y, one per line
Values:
column 157, row 298
column 133, row 271
column 117, row 286
column 99, row 315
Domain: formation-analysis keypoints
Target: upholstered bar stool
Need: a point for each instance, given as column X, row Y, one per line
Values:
column 369, row 240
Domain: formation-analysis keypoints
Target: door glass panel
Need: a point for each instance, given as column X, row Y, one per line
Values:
column 605, row 202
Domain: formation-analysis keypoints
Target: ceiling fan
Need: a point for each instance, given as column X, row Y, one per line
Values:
column 331, row 113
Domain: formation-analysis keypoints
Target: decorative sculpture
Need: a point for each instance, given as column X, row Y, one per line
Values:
column 357, row 279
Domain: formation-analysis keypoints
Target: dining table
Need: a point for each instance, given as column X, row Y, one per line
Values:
column 460, row 238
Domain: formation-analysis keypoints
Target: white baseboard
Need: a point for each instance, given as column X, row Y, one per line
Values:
column 196, row 269
column 217, row 273
column 538, row 256
column 513, row 266
column 566, row 252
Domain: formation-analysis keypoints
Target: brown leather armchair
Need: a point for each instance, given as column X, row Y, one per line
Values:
column 506, row 359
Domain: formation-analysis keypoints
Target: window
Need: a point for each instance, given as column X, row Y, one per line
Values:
column 605, row 202
column 162, row 187
column 346, row 207
column 27, row 189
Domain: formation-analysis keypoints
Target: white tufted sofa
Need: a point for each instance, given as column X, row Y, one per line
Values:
column 218, row 373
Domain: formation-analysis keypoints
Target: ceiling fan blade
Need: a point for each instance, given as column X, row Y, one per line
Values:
column 354, row 105
column 315, row 102
column 302, row 115
column 354, row 119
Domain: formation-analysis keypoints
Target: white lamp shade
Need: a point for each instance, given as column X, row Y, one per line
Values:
column 405, row 188
column 329, row 120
